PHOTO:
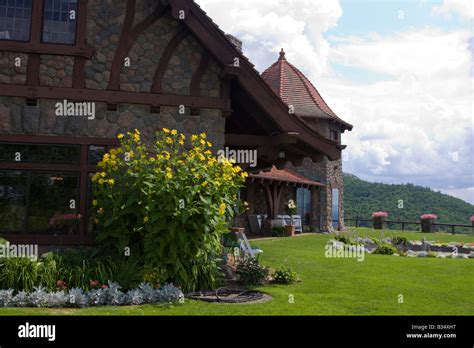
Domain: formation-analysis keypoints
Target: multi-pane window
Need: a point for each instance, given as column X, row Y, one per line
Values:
column 15, row 20
column 59, row 22
column 334, row 135
column 40, row 187
column 303, row 204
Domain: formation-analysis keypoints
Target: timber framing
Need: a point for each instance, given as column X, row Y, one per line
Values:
column 128, row 38
column 165, row 59
column 113, row 97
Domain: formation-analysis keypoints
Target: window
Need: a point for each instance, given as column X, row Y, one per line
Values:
column 334, row 135
column 32, row 153
column 335, row 208
column 303, row 204
column 41, row 186
column 59, row 21
column 15, row 20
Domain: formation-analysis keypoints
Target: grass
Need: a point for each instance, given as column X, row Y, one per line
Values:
column 429, row 286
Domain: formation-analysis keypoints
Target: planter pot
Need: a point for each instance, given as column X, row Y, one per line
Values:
column 290, row 230
column 235, row 231
column 427, row 225
column 380, row 222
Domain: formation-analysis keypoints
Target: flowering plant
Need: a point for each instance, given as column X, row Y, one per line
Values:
column 291, row 207
column 380, row 214
column 169, row 202
column 428, row 217
column 472, row 218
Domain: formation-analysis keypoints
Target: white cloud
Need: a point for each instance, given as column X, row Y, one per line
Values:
column 418, row 126
column 463, row 8
column 266, row 26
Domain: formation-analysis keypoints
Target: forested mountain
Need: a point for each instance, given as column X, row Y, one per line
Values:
column 405, row 202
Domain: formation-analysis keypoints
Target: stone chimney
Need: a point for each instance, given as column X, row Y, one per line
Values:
column 236, row 42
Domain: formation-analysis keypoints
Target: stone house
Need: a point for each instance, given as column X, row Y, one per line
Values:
column 75, row 73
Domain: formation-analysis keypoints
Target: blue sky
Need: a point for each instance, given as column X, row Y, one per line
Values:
column 400, row 71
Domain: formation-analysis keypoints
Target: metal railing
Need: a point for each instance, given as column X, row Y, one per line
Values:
column 405, row 223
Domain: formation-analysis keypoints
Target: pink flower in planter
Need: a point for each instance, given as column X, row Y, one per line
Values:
column 380, row 214
column 472, row 218
column 428, row 217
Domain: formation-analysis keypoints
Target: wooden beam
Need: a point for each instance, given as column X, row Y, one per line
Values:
column 128, row 37
column 117, row 97
column 44, row 48
column 165, row 59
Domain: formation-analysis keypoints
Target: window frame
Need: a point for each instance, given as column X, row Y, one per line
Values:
column 36, row 45
column 83, row 168
column 31, row 30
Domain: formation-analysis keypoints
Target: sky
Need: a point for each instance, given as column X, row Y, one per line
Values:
column 400, row 71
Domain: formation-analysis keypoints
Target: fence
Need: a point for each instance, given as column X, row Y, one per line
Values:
column 369, row 223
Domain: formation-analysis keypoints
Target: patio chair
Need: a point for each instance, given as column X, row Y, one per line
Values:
column 245, row 246
column 297, row 223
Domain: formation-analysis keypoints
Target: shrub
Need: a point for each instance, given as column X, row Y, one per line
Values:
column 385, row 249
column 279, row 231
column 169, row 203
column 285, row 275
column 69, row 269
column 251, row 272
column 342, row 238
column 399, row 240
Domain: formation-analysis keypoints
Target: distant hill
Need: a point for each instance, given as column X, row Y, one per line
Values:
column 361, row 198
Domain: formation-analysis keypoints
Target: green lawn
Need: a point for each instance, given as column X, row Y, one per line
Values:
column 335, row 286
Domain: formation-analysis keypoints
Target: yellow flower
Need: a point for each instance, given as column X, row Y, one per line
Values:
column 244, row 175
column 222, row 208
column 167, row 155
column 208, row 153
column 194, row 138
column 136, row 137
column 169, row 141
column 203, row 142
column 202, row 158
column 205, row 183
column 112, row 182
column 145, row 219
column 237, row 169
column 183, row 137
column 174, row 132
column 203, row 136
column 166, row 130
column 181, row 142
column 209, row 144
column 137, row 131
column 94, row 202
column 169, row 176
column 120, row 136
column 101, row 181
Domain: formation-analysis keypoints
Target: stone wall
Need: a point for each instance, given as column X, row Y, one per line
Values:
column 56, row 71
column 105, row 20
column 18, row 118
column 9, row 72
column 328, row 173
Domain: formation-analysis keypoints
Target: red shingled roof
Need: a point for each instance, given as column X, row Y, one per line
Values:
column 294, row 88
column 285, row 175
